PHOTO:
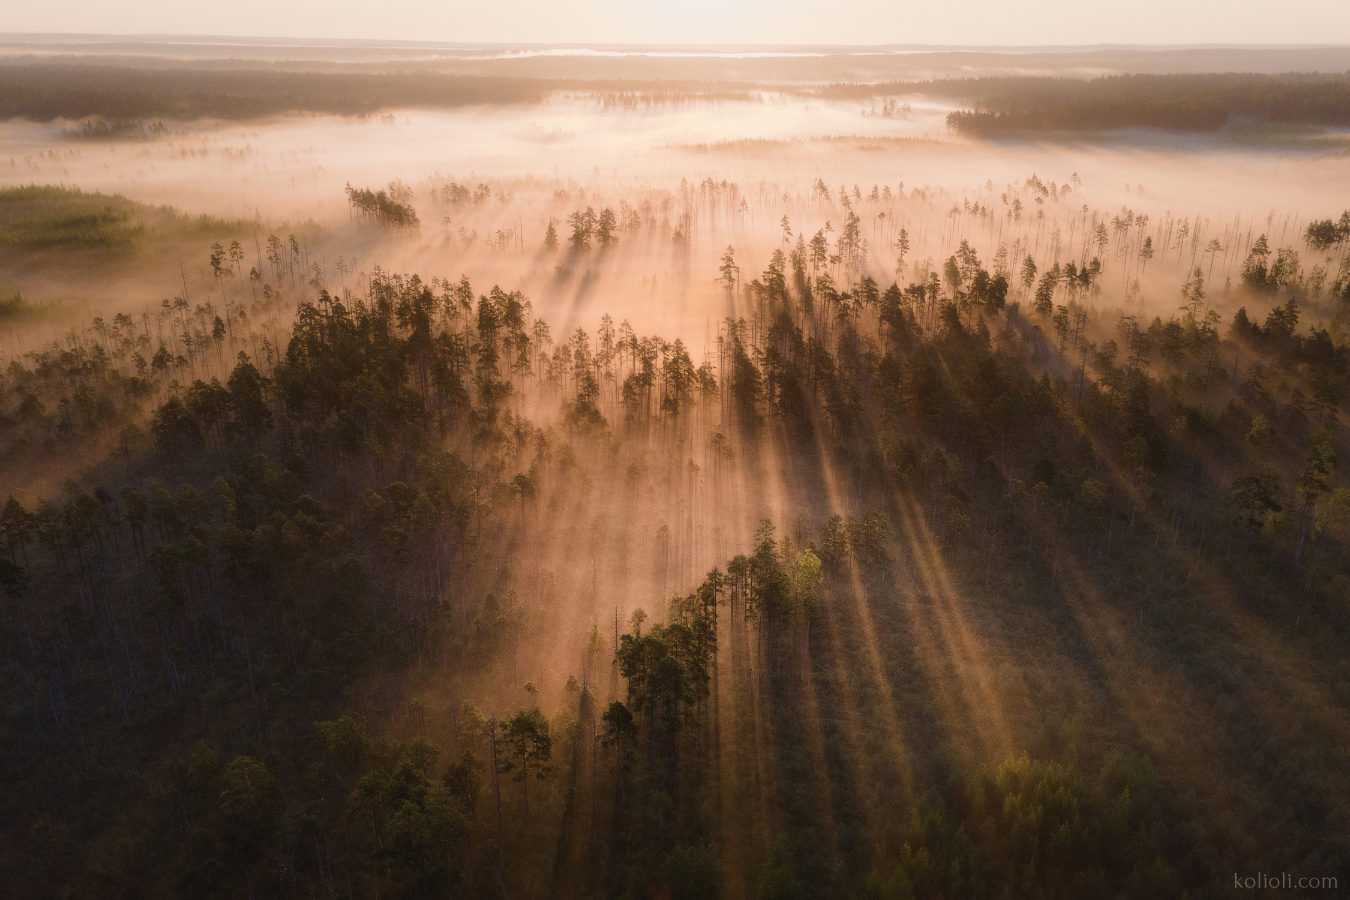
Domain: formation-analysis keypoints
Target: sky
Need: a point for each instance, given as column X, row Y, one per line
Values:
column 853, row 22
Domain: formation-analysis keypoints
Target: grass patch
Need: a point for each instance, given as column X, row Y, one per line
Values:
column 44, row 216
column 39, row 216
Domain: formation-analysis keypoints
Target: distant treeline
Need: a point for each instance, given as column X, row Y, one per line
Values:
column 45, row 92
column 1173, row 102
column 115, row 129
column 652, row 99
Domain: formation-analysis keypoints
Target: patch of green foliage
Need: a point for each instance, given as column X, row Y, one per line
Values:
column 40, row 216
column 46, row 216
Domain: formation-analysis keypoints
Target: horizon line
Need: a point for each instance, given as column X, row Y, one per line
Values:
column 281, row 41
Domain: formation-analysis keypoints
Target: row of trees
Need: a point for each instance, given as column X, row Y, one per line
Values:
column 391, row 207
column 588, row 226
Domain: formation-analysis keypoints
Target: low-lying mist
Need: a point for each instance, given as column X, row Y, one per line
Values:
column 646, row 494
column 763, row 160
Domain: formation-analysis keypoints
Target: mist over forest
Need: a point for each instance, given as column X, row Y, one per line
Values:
column 878, row 473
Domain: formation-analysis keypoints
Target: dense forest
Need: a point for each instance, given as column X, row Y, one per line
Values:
column 950, row 588
column 126, row 102
column 1199, row 102
column 45, row 91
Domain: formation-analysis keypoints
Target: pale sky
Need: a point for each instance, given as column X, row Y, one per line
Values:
column 857, row 22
